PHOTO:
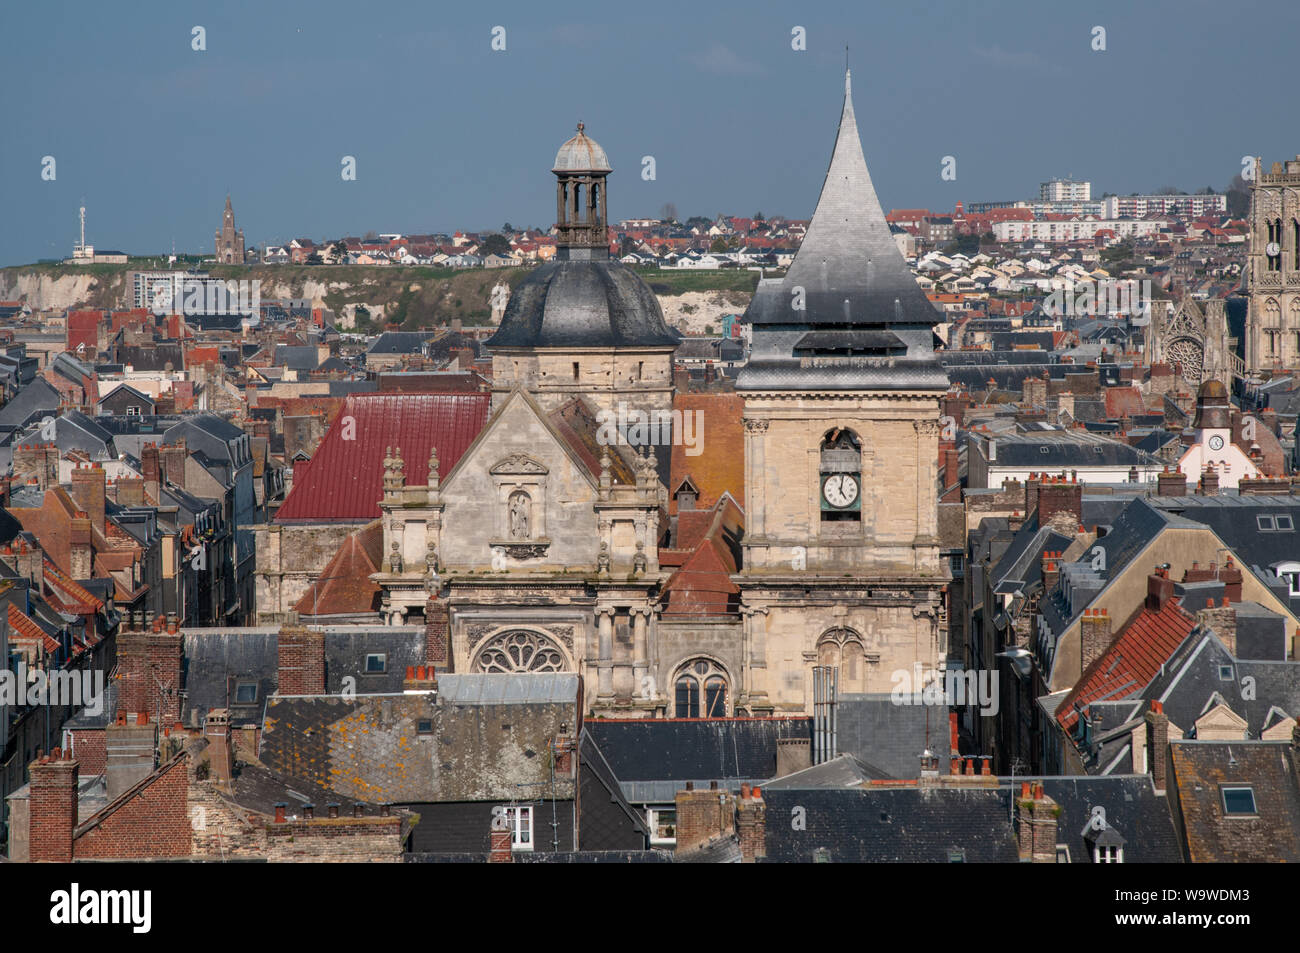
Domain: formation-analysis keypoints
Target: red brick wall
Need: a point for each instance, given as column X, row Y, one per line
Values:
column 146, row 661
column 302, row 661
column 53, row 808
column 152, row 822
column 87, row 746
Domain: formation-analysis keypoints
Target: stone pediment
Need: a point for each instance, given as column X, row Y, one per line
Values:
column 518, row 464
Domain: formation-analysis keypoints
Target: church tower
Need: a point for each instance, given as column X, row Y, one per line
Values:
column 584, row 325
column 1273, row 269
column 229, row 242
column 842, row 390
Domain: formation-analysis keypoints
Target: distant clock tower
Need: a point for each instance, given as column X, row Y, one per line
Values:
column 1273, row 269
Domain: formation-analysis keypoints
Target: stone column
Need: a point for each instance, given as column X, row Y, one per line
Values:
column 640, row 657
column 605, row 661
column 755, row 436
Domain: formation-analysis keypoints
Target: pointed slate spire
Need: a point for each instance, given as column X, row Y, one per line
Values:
column 849, row 263
column 848, row 314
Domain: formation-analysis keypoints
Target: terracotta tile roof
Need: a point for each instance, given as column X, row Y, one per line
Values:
column 1121, row 401
column 22, row 628
column 344, row 586
column 344, row 480
column 719, row 465
column 576, row 423
column 1132, row 660
column 68, row 592
column 703, row 586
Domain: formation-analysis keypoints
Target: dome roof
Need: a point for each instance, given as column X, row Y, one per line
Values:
column 1212, row 389
column 581, row 154
column 583, row 304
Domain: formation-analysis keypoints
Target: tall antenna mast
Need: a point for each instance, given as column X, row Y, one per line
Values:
column 81, row 245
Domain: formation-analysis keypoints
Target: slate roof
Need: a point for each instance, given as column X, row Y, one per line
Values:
column 343, row 482
column 598, row 303
column 215, row 660
column 1067, row 449
column 399, row 342
column 37, row 400
column 848, row 274
column 1202, row 768
column 694, row 749
column 889, row 738
column 890, row 825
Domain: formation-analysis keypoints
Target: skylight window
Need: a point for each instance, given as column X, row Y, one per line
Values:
column 1239, row 801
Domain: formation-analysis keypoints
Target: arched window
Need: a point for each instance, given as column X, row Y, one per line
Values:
column 700, row 690
column 520, row 650
column 841, row 477
column 843, row 648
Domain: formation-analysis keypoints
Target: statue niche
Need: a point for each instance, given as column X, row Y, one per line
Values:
column 521, row 515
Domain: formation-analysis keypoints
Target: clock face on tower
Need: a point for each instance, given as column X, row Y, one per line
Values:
column 1216, row 442
column 1272, row 249
column 840, row 489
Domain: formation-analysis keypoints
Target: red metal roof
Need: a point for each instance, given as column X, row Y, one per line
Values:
column 344, row 480
column 1131, row 661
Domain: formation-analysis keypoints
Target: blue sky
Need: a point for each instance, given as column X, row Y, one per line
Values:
column 448, row 133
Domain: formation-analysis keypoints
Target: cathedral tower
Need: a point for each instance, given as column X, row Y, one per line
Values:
column 1273, row 269
column 841, row 556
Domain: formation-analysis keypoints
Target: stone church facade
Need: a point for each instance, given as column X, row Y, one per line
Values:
column 557, row 541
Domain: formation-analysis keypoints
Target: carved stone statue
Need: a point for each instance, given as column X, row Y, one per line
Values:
column 431, row 561
column 602, row 558
column 520, row 515
column 395, row 561
column 639, row 562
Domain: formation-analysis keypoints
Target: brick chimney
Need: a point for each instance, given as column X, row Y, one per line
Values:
column 1222, row 619
column 499, row 851
column 29, row 561
column 1157, row 743
column 1171, row 483
column 1051, row 570
column 751, row 824
column 151, row 468
column 80, row 558
column 1095, row 635
column 436, row 627
column 40, row 460
column 88, row 490
column 1036, row 815
column 129, row 751
column 1231, row 578
column 1160, row 589
column 149, row 670
column 53, row 811
column 172, row 460
column 1060, row 501
column 1209, row 482
column 130, row 491
column 301, row 659
column 702, row 815
column 221, row 752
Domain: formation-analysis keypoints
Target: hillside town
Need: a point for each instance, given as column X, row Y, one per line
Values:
column 969, row 537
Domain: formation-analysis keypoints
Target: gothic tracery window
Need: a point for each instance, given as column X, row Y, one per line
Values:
column 700, row 690
column 520, row 650
column 843, row 648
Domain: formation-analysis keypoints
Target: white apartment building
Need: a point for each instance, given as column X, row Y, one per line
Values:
column 1065, row 190
column 1181, row 206
column 1075, row 229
